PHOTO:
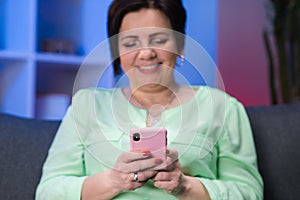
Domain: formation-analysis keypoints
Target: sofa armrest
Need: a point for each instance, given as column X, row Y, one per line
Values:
column 24, row 145
column 276, row 132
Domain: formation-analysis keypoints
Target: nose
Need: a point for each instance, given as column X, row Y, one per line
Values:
column 147, row 53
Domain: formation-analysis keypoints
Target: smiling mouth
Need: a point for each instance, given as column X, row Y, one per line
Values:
column 149, row 68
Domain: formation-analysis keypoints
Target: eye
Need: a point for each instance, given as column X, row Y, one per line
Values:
column 159, row 41
column 130, row 43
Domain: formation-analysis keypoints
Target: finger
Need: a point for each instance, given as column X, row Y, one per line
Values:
column 142, row 176
column 167, row 165
column 168, row 183
column 165, row 185
column 169, row 175
column 132, row 185
column 128, row 157
column 162, row 176
column 138, row 179
column 143, row 165
column 170, row 162
column 173, row 154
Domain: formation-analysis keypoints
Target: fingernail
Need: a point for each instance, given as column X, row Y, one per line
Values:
column 146, row 153
column 158, row 161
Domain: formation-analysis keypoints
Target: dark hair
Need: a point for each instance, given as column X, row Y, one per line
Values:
column 173, row 9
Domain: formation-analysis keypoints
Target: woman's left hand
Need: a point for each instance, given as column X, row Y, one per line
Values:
column 170, row 177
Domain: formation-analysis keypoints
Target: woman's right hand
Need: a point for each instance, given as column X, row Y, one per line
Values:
column 133, row 169
column 110, row 183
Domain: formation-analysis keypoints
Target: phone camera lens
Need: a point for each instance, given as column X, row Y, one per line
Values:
column 136, row 137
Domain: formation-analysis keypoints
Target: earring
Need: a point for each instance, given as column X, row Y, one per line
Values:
column 181, row 60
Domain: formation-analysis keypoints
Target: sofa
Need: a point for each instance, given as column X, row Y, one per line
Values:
column 24, row 145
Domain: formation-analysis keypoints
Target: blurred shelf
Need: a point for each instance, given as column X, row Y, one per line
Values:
column 13, row 55
column 59, row 58
column 29, row 29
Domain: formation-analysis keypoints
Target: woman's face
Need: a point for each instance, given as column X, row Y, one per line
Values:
column 147, row 49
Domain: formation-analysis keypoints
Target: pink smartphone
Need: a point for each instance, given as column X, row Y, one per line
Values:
column 151, row 138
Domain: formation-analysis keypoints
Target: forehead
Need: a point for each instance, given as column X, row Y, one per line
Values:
column 146, row 32
column 144, row 18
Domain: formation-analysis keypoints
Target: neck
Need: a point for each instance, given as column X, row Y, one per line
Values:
column 146, row 99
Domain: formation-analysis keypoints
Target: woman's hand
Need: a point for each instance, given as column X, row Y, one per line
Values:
column 133, row 169
column 173, row 181
column 170, row 177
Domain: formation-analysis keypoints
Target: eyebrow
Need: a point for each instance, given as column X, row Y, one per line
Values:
column 159, row 33
column 136, row 37
column 129, row 37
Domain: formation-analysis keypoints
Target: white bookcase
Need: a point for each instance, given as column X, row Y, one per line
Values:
column 27, row 72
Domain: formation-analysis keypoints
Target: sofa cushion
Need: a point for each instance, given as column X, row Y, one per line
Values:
column 24, row 145
column 276, row 132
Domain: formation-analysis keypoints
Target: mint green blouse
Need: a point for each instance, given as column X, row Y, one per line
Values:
column 211, row 133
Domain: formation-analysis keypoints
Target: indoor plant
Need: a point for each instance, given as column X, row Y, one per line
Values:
column 282, row 42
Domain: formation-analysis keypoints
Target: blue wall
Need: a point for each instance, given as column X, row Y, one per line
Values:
column 201, row 27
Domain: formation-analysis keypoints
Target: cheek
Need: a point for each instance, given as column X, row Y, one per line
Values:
column 169, row 57
column 127, row 61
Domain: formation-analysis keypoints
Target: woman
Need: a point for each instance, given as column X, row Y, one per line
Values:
column 210, row 154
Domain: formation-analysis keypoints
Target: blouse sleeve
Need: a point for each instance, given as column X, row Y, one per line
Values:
column 63, row 171
column 238, row 176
